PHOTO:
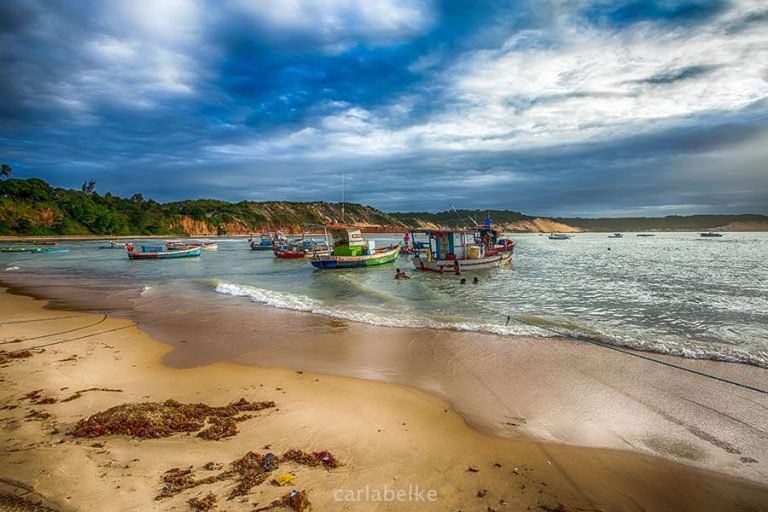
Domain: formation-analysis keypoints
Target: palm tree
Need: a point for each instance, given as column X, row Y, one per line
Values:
column 5, row 171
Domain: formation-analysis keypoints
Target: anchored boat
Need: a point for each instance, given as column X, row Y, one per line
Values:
column 157, row 253
column 559, row 236
column 351, row 250
column 616, row 235
column 712, row 234
column 459, row 250
column 267, row 241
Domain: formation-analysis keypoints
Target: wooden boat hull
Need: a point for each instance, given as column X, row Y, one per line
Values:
column 164, row 255
column 449, row 266
column 380, row 257
column 300, row 252
column 43, row 250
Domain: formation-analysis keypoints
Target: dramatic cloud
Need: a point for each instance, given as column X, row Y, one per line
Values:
column 575, row 107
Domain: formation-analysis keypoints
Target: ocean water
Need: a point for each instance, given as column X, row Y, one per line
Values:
column 675, row 293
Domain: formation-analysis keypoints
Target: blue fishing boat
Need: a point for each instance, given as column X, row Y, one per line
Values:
column 157, row 253
column 267, row 242
column 46, row 250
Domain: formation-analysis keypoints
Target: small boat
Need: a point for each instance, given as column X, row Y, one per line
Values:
column 267, row 242
column 616, row 235
column 15, row 249
column 302, row 248
column 157, row 253
column 351, row 250
column 46, row 250
column 560, row 236
column 43, row 243
column 207, row 246
column 646, row 234
column 115, row 244
column 459, row 250
column 711, row 234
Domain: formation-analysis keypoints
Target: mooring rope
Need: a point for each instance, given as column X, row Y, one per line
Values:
column 634, row 354
column 103, row 318
column 132, row 324
column 48, row 319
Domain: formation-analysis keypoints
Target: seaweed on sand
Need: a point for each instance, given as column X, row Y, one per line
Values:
column 248, row 471
column 78, row 394
column 203, row 504
column 153, row 420
column 324, row 458
column 297, row 500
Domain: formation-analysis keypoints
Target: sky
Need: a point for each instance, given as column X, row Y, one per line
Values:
column 549, row 107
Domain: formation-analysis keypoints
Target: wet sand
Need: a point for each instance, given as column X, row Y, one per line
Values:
column 387, row 435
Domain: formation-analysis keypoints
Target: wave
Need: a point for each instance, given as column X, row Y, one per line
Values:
column 515, row 327
column 11, row 268
column 283, row 300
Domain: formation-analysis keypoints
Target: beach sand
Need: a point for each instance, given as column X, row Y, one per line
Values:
column 388, row 436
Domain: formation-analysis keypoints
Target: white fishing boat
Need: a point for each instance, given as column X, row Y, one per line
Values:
column 460, row 250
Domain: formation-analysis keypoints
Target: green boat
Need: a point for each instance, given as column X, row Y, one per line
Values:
column 351, row 250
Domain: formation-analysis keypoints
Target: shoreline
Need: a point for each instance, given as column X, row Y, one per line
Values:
column 547, row 389
column 385, row 434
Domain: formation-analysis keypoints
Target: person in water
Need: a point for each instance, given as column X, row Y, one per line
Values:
column 463, row 280
column 475, row 280
column 399, row 274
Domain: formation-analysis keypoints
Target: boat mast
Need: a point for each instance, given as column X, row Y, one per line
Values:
column 342, row 198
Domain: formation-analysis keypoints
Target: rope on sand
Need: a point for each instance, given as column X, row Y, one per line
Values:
column 103, row 318
column 132, row 324
column 634, row 354
column 47, row 319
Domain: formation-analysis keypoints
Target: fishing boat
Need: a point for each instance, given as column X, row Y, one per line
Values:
column 560, row 236
column 157, row 253
column 115, row 244
column 646, row 234
column 14, row 249
column 207, row 246
column 36, row 242
column 616, row 235
column 47, row 250
column 302, row 248
column 267, row 241
column 351, row 250
column 459, row 250
column 711, row 234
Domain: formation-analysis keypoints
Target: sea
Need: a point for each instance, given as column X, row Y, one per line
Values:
column 673, row 293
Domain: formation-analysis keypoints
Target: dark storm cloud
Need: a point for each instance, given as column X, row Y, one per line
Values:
column 417, row 103
column 676, row 75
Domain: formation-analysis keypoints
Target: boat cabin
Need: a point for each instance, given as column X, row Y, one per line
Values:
column 449, row 244
column 348, row 241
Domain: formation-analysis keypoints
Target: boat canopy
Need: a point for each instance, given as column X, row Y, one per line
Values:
column 448, row 244
column 346, row 235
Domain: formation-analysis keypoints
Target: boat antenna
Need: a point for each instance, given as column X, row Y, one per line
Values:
column 461, row 219
column 342, row 198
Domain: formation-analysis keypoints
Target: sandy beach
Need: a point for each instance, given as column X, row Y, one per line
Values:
column 393, row 441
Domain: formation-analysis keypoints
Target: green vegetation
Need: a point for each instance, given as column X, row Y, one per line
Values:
column 32, row 207
column 460, row 218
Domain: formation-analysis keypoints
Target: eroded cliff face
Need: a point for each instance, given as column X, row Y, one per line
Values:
column 539, row 225
column 193, row 227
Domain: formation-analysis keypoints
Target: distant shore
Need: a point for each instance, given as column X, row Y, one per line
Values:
column 85, row 238
column 386, row 436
